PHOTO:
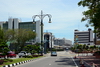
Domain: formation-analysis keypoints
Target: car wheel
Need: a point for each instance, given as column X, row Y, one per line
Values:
column 19, row 56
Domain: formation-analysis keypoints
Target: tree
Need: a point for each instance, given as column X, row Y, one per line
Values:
column 84, row 46
column 3, row 46
column 32, row 48
column 28, row 48
column 92, row 15
column 79, row 47
column 1, row 36
column 22, row 36
column 9, row 35
column 18, row 37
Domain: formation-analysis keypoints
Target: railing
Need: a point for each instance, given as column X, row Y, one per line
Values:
column 91, row 64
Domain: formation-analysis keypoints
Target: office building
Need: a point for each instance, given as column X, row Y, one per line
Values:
column 62, row 42
column 83, row 37
column 15, row 23
column 48, row 39
column 97, row 38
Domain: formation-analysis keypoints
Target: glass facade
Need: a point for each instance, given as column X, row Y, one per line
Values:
column 27, row 25
column 23, row 25
column 5, row 26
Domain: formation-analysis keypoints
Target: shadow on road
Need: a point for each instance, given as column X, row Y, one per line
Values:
column 65, row 61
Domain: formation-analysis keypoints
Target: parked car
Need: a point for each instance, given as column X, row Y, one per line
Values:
column 2, row 55
column 22, row 54
column 29, row 54
column 53, row 53
column 11, row 54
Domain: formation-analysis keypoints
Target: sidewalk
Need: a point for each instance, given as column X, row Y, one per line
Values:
column 88, row 60
column 48, row 54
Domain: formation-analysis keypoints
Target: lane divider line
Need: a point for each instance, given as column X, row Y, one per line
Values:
column 73, row 60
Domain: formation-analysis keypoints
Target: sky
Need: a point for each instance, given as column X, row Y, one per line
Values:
column 66, row 14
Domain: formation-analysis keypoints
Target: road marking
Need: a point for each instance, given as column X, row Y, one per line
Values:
column 49, row 64
column 62, row 55
column 73, row 60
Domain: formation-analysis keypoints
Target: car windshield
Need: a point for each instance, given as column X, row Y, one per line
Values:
column 22, row 52
column 53, row 52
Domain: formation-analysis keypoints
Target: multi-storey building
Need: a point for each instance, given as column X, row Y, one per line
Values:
column 83, row 37
column 62, row 42
column 49, row 39
column 15, row 23
column 97, row 38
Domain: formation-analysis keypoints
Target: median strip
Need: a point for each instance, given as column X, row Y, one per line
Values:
column 19, row 61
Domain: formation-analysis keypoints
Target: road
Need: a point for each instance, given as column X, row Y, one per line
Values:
column 63, row 59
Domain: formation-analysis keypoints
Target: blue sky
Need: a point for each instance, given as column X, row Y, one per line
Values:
column 66, row 14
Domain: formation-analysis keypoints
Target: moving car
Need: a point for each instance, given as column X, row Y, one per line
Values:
column 53, row 53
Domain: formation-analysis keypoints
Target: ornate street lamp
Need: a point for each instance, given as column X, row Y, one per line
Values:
column 41, row 16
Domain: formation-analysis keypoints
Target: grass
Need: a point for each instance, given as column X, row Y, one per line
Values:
column 18, row 60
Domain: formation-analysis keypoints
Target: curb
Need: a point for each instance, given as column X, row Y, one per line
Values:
column 14, row 64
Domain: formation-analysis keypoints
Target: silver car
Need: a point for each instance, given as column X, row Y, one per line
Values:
column 53, row 53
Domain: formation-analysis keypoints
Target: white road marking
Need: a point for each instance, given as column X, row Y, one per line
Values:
column 49, row 64
column 73, row 60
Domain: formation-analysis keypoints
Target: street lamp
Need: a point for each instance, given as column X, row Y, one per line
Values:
column 51, row 42
column 41, row 16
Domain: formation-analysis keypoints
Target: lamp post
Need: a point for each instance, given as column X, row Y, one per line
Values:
column 51, row 42
column 41, row 16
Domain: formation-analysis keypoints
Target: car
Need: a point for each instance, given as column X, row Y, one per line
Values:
column 2, row 55
column 53, row 53
column 29, row 54
column 11, row 54
column 22, row 54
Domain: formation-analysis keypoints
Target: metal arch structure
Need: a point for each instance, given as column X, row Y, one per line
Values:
column 41, row 17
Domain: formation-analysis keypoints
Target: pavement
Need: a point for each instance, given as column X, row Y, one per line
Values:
column 47, row 54
column 87, row 59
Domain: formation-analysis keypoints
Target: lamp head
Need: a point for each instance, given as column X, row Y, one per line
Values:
column 33, row 21
column 49, row 20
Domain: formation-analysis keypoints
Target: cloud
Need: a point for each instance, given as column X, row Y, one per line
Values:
column 66, row 14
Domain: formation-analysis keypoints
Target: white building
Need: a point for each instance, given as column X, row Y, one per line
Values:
column 62, row 41
column 84, row 37
column 48, row 39
column 15, row 23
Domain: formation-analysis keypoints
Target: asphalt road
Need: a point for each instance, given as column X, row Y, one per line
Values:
column 63, row 59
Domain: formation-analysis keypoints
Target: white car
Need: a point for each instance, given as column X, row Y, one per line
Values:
column 53, row 53
column 22, row 54
column 29, row 54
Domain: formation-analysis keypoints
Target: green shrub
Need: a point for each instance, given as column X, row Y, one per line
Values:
column 60, row 49
column 1, row 62
column 10, row 60
column 6, row 60
column 97, row 52
column 35, row 55
column 29, row 56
